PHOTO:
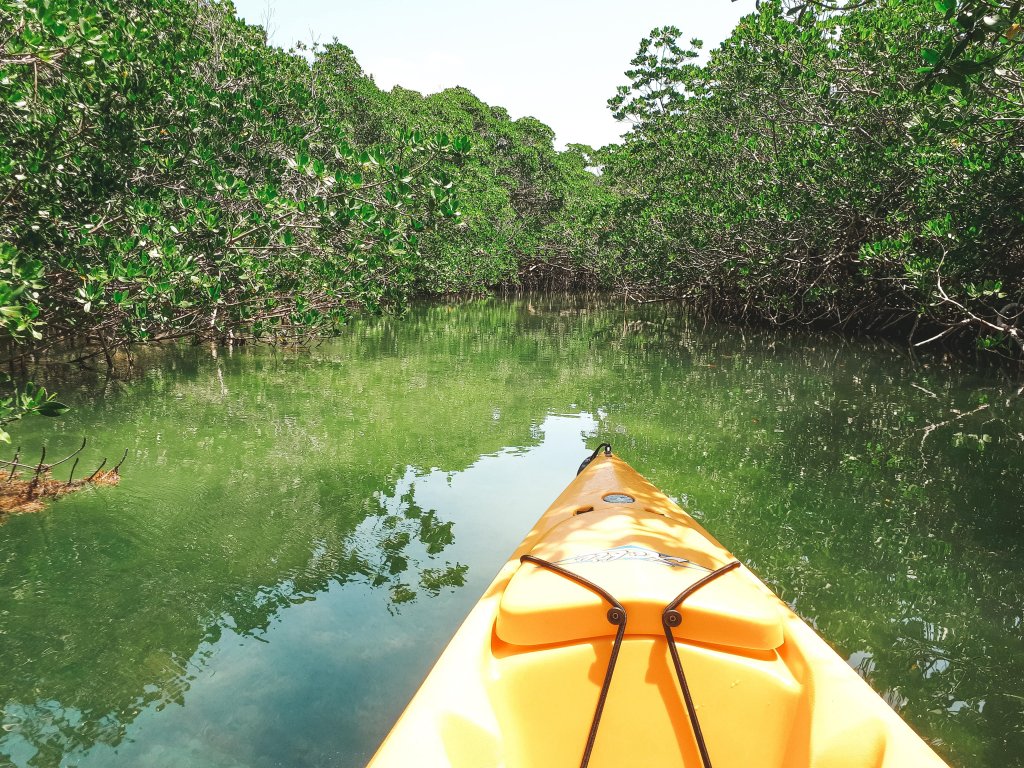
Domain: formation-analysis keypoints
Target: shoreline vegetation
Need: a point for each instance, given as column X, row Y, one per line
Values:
column 167, row 174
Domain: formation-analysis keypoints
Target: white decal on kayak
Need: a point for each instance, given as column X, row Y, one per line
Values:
column 631, row 552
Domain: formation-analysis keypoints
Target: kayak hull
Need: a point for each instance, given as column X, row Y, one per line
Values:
column 519, row 684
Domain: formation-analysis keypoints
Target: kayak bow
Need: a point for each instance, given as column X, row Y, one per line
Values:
column 621, row 633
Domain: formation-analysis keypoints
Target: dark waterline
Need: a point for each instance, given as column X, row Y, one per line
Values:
column 299, row 533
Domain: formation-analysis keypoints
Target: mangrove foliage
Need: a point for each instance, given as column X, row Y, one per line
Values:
column 166, row 173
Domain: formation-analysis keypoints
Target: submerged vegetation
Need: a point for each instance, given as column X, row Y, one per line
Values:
column 255, row 511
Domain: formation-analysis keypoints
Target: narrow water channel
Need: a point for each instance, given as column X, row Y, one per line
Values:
column 298, row 533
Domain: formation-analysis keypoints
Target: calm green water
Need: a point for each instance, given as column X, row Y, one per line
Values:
column 298, row 533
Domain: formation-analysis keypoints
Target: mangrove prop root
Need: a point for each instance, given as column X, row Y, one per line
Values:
column 27, row 487
column 94, row 474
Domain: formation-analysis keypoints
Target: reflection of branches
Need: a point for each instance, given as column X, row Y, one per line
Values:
column 926, row 391
column 959, row 415
column 404, row 524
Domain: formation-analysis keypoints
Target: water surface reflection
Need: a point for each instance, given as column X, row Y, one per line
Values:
column 298, row 534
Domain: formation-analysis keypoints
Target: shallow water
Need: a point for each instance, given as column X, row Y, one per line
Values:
column 297, row 534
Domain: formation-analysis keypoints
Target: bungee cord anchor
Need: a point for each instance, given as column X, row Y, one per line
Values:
column 670, row 618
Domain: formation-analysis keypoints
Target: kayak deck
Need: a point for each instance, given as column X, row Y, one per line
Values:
column 543, row 651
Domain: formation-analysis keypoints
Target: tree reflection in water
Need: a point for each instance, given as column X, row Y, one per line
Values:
column 284, row 557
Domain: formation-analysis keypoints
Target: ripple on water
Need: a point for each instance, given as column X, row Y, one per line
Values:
column 298, row 533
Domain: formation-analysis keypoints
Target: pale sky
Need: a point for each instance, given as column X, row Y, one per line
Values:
column 559, row 61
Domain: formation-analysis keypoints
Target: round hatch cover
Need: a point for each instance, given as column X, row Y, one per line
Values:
column 619, row 498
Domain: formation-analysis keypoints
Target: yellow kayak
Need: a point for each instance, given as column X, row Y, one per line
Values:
column 620, row 633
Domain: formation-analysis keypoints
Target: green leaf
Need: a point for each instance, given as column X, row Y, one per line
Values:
column 53, row 408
